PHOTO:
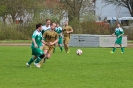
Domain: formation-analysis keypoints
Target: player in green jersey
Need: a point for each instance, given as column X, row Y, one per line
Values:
column 36, row 44
column 51, row 38
column 58, row 29
column 118, row 32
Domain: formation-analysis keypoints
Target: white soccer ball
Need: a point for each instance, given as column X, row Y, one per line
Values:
column 79, row 52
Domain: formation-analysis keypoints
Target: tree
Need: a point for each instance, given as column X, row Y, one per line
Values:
column 125, row 3
column 19, row 8
column 74, row 7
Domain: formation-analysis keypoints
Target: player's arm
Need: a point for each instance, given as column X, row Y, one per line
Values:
column 33, row 40
column 71, row 30
column 44, row 37
column 113, row 34
column 43, row 41
column 56, row 40
column 35, row 45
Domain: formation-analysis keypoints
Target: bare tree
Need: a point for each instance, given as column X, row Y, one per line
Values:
column 125, row 3
column 75, row 7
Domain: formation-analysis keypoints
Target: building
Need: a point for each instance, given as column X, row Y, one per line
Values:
column 110, row 12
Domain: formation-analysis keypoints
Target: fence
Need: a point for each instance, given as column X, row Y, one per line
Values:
column 86, row 40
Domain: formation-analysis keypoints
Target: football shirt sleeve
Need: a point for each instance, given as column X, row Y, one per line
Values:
column 34, row 35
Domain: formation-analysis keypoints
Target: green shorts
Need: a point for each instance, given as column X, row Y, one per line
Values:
column 118, row 41
column 37, row 51
column 60, row 40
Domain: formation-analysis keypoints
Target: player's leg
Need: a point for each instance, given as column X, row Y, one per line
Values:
column 38, row 59
column 54, row 48
column 115, row 45
column 60, row 47
column 49, row 53
column 31, row 60
column 44, row 59
column 67, row 45
column 122, row 48
column 59, row 43
column 45, row 52
column 120, row 43
column 40, row 55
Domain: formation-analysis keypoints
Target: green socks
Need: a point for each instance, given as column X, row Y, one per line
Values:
column 44, row 60
column 31, row 60
column 122, row 49
column 114, row 49
column 61, row 48
column 54, row 50
column 38, row 60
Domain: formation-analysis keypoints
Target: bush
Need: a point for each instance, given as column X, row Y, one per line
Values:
column 20, row 32
column 95, row 28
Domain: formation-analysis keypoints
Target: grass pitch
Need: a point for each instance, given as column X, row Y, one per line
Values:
column 95, row 68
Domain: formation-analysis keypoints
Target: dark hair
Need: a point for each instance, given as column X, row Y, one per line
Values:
column 47, row 20
column 52, row 23
column 38, row 25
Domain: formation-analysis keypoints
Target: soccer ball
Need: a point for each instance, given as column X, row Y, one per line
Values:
column 79, row 52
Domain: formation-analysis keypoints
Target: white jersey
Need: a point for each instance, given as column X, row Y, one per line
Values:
column 44, row 28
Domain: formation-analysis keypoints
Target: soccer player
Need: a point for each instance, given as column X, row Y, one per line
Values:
column 58, row 29
column 36, row 44
column 118, row 32
column 51, row 38
column 46, row 26
column 67, row 30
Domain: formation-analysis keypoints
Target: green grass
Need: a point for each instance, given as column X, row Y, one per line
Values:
column 95, row 68
column 15, row 41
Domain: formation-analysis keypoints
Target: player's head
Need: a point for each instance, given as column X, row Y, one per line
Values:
column 118, row 25
column 66, row 23
column 48, row 21
column 57, row 24
column 39, row 26
column 52, row 25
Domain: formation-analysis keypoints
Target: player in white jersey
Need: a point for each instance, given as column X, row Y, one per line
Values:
column 46, row 26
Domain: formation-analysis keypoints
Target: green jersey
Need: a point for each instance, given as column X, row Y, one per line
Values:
column 38, row 37
column 58, row 30
column 119, row 31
